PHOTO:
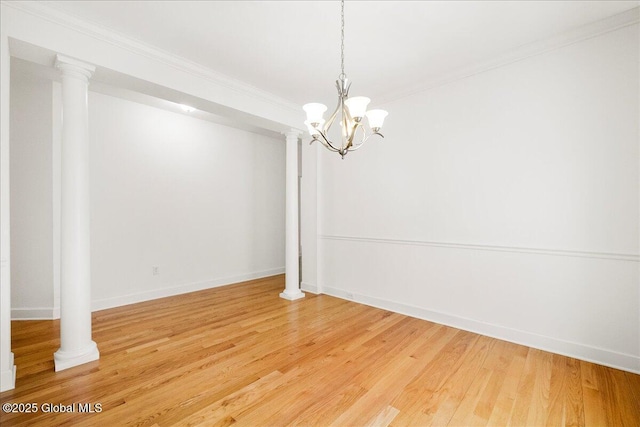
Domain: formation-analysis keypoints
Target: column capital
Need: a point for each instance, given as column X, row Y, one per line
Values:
column 292, row 133
column 74, row 67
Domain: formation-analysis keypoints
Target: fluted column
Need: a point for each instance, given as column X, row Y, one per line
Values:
column 76, row 345
column 292, row 275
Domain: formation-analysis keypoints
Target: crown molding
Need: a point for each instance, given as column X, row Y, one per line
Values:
column 578, row 34
column 138, row 47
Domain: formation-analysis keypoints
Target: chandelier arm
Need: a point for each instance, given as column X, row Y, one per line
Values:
column 333, row 117
column 345, row 139
column 365, row 139
column 353, row 146
column 356, row 147
column 330, row 148
column 328, row 143
column 352, row 133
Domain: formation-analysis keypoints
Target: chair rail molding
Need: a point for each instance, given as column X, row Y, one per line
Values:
column 485, row 247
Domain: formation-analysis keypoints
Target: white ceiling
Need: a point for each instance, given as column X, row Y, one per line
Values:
column 292, row 48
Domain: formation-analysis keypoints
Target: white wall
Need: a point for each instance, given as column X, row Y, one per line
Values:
column 504, row 203
column 31, row 197
column 202, row 202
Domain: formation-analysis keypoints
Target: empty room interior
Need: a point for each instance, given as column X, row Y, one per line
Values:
column 348, row 213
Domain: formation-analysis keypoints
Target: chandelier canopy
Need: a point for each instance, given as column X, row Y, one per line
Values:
column 352, row 111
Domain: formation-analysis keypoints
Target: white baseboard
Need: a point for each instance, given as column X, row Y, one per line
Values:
column 49, row 313
column 35, row 313
column 106, row 303
column 309, row 287
column 8, row 376
column 626, row 362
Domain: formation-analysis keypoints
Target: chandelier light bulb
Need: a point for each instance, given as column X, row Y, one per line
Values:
column 357, row 106
column 314, row 112
column 376, row 118
column 314, row 131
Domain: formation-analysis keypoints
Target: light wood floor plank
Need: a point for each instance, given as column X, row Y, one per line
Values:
column 384, row 418
column 240, row 355
column 417, row 403
column 503, row 405
column 539, row 410
column 447, row 398
column 496, row 364
column 523, row 400
column 573, row 396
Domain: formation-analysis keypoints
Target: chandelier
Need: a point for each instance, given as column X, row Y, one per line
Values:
column 352, row 111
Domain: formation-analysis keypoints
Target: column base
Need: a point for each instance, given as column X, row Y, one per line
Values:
column 8, row 376
column 296, row 295
column 68, row 359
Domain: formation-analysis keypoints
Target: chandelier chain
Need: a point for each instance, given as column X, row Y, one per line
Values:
column 342, row 75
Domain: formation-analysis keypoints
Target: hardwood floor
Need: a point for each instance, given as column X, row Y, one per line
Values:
column 241, row 355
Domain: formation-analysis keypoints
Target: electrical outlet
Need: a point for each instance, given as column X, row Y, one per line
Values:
column 155, row 270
